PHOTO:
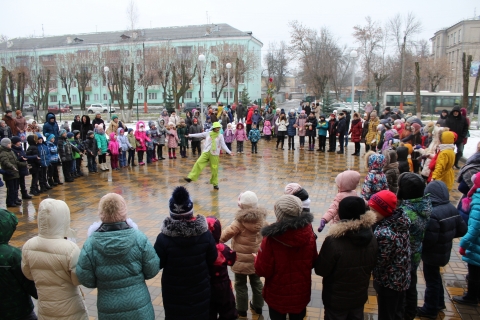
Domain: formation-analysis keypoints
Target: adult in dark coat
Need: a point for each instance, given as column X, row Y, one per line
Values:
column 444, row 225
column 85, row 127
column 442, row 121
column 10, row 122
column 458, row 124
column 186, row 250
column 342, row 130
column 240, row 110
column 76, row 124
column 346, row 260
column 51, row 126
column 98, row 120
column 348, row 117
column 332, row 133
column 402, row 159
column 23, row 171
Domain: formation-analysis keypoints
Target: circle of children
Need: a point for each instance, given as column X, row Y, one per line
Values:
column 398, row 221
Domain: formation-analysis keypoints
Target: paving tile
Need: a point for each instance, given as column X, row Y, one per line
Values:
column 147, row 191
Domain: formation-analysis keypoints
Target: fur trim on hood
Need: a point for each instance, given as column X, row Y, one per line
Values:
column 280, row 227
column 251, row 215
column 340, row 228
column 184, row 228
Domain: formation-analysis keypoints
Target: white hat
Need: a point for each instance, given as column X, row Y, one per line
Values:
column 247, row 199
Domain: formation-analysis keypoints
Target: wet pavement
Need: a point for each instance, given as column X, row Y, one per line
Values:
column 147, row 190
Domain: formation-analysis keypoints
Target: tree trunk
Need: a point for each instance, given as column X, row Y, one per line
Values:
column 131, row 87
column 474, row 98
column 417, row 90
column 466, row 64
column 3, row 89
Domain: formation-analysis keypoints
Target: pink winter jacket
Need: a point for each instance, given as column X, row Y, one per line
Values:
column 172, row 138
column 347, row 182
column 267, row 128
column 240, row 134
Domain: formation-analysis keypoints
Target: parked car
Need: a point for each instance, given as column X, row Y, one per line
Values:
column 100, row 107
column 63, row 108
column 189, row 106
column 334, row 106
column 28, row 107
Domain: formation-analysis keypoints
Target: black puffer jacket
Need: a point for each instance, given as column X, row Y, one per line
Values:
column 444, row 225
column 32, row 152
column 458, row 124
column 346, row 261
column 402, row 159
column 186, row 250
column 64, row 149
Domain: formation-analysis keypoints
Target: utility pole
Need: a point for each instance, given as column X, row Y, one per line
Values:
column 403, row 71
column 145, row 109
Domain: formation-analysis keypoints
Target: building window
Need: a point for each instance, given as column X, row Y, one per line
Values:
column 459, row 36
column 213, row 80
column 188, row 95
column 32, row 59
column 454, row 38
column 105, row 96
column 140, row 96
column 139, row 53
column 95, row 83
column 152, row 96
column 34, row 73
column 74, row 84
column 64, row 98
column 96, row 96
column 87, row 97
column 53, row 98
column 27, row 99
column 74, row 98
column 214, row 95
column 53, row 84
column 213, row 65
column 225, row 95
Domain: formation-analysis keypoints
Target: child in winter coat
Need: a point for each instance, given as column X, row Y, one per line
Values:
column 11, row 167
column 5, row 131
column 162, row 135
column 310, row 127
column 17, row 148
column 154, row 137
column 65, row 152
column 229, row 136
column 208, row 124
column 102, row 145
column 322, row 127
column 187, row 251
column 141, row 137
column 254, row 137
column 245, row 234
column 222, row 301
column 444, row 225
column 131, row 149
column 44, row 162
column 240, row 136
column 287, row 287
column 391, row 274
column 75, row 155
column 196, row 128
column 291, row 129
column 80, row 146
column 281, row 124
column 346, row 260
column 150, row 148
column 402, row 159
column 50, row 260
column 113, row 150
column 356, row 133
column 92, row 151
column 346, row 181
column 445, row 160
column 52, row 174
column 182, row 131
column 391, row 170
column 418, row 208
column 300, row 124
column 267, row 130
column 375, row 180
column 124, row 146
column 172, row 141
column 116, row 241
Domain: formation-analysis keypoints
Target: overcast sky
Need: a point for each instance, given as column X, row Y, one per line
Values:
column 267, row 19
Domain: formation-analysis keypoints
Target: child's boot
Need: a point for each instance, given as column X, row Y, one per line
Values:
column 170, row 154
column 174, row 155
column 293, row 145
column 289, row 145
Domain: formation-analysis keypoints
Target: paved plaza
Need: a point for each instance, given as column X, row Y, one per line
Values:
column 147, row 191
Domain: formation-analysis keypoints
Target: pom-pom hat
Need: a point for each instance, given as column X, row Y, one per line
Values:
column 383, row 202
column 247, row 199
column 180, row 204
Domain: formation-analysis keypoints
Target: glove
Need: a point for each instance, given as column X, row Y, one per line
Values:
column 461, row 251
column 418, row 146
column 323, row 222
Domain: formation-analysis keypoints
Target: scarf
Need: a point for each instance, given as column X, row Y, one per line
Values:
column 213, row 136
column 449, row 146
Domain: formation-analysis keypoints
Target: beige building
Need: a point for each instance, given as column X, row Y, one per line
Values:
column 451, row 42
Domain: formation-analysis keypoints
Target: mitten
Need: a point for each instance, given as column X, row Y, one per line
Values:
column 323, row 222
column 461, row 251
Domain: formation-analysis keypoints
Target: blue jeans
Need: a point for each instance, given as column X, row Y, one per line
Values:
column 92, row 164
column 123, row 158
column 346, row 139
column 73, row 168
column 434, row 298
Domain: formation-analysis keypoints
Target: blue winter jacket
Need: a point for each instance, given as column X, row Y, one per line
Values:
column 291, row 129
column 254, row 135
column 51, row 128
column 118, row 263
column 20, row 153
column 44, row 154
column 471, row 241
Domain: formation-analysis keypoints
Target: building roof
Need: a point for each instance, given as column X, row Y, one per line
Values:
column 473, row 20
column 201, row 32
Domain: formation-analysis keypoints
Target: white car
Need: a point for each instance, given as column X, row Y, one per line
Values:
column 99, row 107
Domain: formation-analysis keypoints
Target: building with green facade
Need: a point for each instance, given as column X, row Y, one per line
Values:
column 150, row 65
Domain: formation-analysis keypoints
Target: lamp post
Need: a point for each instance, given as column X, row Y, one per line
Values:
column 106, row 70
column 229, row 65
column 201, row 60
column 353, row 55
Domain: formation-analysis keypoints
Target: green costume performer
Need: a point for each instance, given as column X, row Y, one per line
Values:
column 213, row 143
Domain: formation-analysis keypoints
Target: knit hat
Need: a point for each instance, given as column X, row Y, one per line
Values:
column 296, row 190
column 15, row 140
column 383, row 202
column 410, row 186
column 89, row 132
column 468, row 199
column 70, row 135
column 248, row 199
column 373, row 114
column 98, row 112
column 112, row 208
column 5, row 142
column 351, row 208
column 282, row 111
column 51, row 136
column 215, row 227
column 180, row 204
column 388, row 125
column 169, row 124
column 417, row 127
column 332, row 115
column 130, row 130
column 18, row 112
column 61, row 132
column 114, row 117
column 287, row 206
column 8, row 111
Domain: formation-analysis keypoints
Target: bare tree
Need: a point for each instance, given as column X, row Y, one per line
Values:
column 418, row 101
column 474, row 98
column 466, row 65
column 435, row 70
column 83, row 74
column 66, row 71
column 217, row 65
column 183, row 70
column 277, row 64
column 244, row 64
column 132, row 15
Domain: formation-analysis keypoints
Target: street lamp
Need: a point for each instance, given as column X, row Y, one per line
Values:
column 201, row 60
column 106, row 70
column 229, row 65
column 353, row 55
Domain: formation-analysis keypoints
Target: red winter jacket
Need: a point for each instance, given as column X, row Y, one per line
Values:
column 249, row 116
column 356, row 131
column 286, row 258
